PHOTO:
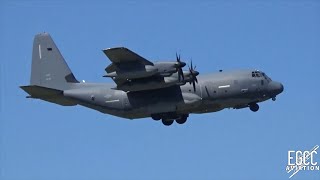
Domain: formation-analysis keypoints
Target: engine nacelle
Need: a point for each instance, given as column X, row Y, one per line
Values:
column 133, row 73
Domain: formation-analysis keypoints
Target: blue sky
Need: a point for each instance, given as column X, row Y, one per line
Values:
column 40, row 140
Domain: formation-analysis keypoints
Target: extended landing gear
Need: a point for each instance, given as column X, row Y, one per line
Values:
column 167, row 122
column 254, row 107
column 156, row 117
column 182, row 119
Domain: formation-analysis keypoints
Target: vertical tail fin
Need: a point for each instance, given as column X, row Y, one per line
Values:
column 49, row 68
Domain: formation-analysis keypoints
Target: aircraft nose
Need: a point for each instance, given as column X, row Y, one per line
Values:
column 275, row 88
column 281, row 88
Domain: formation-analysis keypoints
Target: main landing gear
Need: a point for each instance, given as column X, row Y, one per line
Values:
column 168, row 120
column 254, row 107
column 182, row 119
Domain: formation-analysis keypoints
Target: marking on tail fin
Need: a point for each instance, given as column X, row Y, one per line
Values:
column 48, row 77
column 39, row 51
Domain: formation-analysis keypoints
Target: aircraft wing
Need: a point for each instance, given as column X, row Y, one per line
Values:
column 131, row 72
column 124, row 55
column 128, row 68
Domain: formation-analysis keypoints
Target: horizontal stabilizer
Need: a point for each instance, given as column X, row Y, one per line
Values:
column 48, row 94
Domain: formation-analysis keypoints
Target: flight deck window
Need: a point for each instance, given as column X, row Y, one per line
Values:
column 266, row 77
column 256, row 74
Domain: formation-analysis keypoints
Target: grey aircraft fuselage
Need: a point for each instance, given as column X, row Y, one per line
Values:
column 214, row 92
column 145, row 89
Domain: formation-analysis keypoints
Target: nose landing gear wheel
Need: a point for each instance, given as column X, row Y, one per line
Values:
column 254, row 107
column 182, row 119
column 167, row 122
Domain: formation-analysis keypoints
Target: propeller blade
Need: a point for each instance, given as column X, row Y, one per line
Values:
column 180, row 74
column 179, row 66
column 190, row 74
column 193, row 75
column 178, row 57
column 179, row 62
column 194, row 86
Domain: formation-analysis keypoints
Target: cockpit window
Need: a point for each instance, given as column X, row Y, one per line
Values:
column 266, row 77
column 256, row 74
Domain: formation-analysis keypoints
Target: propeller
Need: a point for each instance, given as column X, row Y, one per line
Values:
column 194, row 75
column 179, row 66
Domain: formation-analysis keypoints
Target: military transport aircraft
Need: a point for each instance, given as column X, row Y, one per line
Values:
column 160, row 90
